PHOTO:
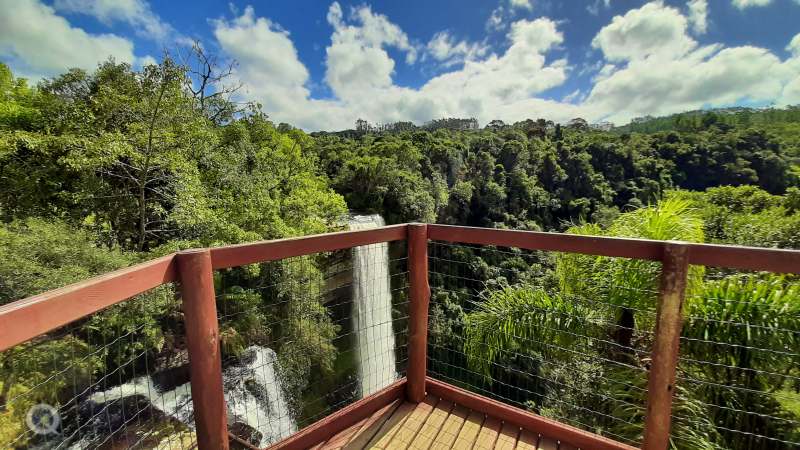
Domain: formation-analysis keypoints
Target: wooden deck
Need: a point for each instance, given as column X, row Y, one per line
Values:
column 435, row 424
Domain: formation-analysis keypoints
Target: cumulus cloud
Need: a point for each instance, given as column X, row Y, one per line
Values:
column 794, row 45
column 675, row 74
column 652, row 30
column 698, row 15
column 742, row 4
column 359, row 73
column 39, row 43
column 357, row 58
column 791, row 92
column 136, row 13
column 650, row 65
column 521, row 4
column 268, row 65
column 448, row 51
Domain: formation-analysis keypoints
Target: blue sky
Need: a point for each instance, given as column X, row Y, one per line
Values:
column 321, row 65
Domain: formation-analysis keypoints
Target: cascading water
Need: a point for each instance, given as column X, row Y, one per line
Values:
column 254, row 395
column 252, row 392
column 372, row 310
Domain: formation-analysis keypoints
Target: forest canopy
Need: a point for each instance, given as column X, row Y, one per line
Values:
column 102, row 169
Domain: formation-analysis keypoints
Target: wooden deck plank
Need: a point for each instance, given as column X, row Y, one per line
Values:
column 488, row 435
column 450, row 429
column 389, row 428
column 546, row 443
column 371, row 426
column 435, row 421
column 507, row 440
column 439, row 424
column 527, row 440
column 469, row 432
column 416, row 419
column 341, row 438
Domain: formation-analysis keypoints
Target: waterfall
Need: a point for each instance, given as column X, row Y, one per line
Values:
column 176, row 403
column 253, row 395
column 372, row 310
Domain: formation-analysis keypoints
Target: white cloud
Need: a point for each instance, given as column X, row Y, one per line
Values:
column 39, row 43
column 677, row 75
column 444, row 48
column 742, row 4
column 359, row 73
column 698, row 15
column 705, row 77
column 147, row 61
column 572, row 96
column 794, row 45
column 651, row 66
column 594, row 8
column 268, row 62
column 652, row 30
column 357, row 58
column 521, row 4
column 791, row 92
column 496, row 22
column 136, row 13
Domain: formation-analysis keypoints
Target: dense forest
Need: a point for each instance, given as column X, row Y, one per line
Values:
column 105, row 169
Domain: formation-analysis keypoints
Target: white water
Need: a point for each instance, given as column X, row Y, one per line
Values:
column 254, row 395
column 252, row 392
column 176, row 403
column 372, row 315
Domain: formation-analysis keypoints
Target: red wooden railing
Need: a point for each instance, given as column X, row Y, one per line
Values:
column 26, row 319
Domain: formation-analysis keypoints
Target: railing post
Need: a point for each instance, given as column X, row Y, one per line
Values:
column 419, row 295
column 664, row 358
column 202, row 338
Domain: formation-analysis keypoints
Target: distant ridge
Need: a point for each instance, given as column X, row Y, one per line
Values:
column 700, row 119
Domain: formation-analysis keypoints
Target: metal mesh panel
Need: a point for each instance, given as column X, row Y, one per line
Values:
column 503, row 326
column 304, row 337
column 739, row 363
column 115, row 379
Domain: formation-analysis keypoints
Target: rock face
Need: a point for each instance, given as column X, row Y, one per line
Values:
column 245, row 432
column 114, row 414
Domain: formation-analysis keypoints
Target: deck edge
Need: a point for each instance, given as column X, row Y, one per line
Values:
column 527, row 420
column 345, row 417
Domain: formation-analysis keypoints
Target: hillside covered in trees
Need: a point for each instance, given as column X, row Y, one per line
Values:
column 101, row 170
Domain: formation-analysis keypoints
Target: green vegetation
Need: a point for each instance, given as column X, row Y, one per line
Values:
column 602, row 311
column 102, row 170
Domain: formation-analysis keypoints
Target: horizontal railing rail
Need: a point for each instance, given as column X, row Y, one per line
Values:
column 26, row 319
column 714, row 255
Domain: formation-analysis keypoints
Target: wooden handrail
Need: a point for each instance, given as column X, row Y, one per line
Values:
column 716, row 255
column 25, row 319
column 256, row 252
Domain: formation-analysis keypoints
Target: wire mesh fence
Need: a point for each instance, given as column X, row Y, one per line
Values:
column 115, row 379
column 569, row 337
column 306, row 336
column 739, row 365
column 544, row 332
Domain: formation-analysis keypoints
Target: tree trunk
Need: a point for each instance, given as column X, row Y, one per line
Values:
column 142, row 216
column 623, row 336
